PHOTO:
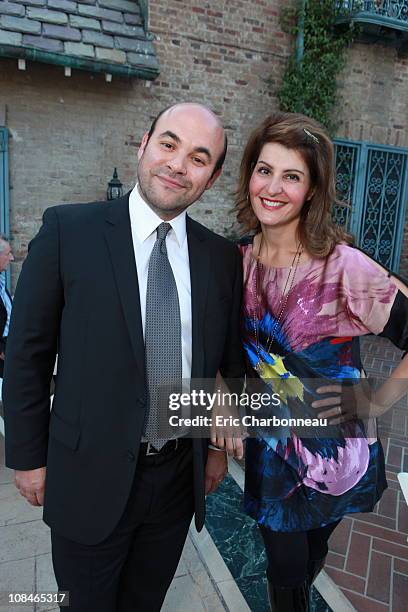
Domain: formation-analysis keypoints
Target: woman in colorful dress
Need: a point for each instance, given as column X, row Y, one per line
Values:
column 308, row 298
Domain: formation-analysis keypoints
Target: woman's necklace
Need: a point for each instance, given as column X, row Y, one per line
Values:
column 282, row 302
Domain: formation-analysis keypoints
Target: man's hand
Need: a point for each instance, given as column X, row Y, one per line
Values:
column 31, row 484
column 2, row 355
column 215, row 470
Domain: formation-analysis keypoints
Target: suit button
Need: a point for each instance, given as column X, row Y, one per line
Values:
column 130, row 456
column 140, row 401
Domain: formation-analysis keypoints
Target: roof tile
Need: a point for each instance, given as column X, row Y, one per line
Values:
column 133, row 18
column 46, row 44
column 120, row 5
column 73, row 48
column 123, row 30
column 57, row 17
column 61, row 32
column 133, row 44
column 20, row 24
column 63, row 5
column 11, row 8
column 91, row 35
column 100, row 13
column 84, row 23
column 96, row 38
column 111, row 55
column 10, row 38
column 32, row 2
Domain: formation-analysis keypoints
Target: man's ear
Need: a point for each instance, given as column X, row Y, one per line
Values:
column 213, row 178
column 143, row 144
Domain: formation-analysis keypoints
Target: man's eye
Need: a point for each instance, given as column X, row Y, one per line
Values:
column 198, row 160
column 167, row 145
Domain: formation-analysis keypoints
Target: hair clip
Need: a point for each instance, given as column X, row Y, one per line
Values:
column 315, row 138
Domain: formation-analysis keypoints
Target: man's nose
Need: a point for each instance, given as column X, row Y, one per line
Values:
column 178, row 164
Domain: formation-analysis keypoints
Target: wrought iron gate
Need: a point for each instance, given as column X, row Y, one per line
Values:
column 372, row 186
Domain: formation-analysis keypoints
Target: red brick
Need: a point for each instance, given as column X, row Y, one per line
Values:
column 381, row 521
column 379, row 580
column 338, row 542
column 394, row 456
column 400, row 593
column 390, row 548
column 363, row 604
column 391, row 475
column 379, row 532
column 403, row 516
column 348, row 581
column 394, row 485
column 398, row 421
column 388, row 503
column 357, row 558
column 398, row 436
column 335, row 560
column 401, row 567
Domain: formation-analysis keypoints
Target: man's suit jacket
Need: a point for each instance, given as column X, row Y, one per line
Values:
column 78, row 290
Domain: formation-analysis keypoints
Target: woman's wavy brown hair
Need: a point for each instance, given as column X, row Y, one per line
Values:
column 317, row 232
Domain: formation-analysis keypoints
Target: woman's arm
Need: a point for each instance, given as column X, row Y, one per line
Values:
column 359, row 401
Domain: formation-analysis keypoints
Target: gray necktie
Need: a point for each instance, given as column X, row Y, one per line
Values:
column 162, row 340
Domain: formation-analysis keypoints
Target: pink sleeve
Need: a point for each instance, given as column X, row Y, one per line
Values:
column 369, row 291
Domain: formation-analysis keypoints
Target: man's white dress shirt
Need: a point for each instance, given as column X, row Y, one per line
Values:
column 144, row 222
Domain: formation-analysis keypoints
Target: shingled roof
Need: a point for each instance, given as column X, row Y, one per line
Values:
column 97, row 35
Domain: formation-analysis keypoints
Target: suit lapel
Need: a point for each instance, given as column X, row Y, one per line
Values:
column 199, row 255
column 118, row 236
column 119, row 240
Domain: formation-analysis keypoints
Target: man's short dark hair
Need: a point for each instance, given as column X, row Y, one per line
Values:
column 220, row 161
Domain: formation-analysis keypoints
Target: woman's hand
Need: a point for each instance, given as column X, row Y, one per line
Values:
column 229, row 435
column 226, row 427
column 232, row 444
column 348, row 403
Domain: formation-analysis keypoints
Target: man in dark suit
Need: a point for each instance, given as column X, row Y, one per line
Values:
column 131, row 292
column 6, row 256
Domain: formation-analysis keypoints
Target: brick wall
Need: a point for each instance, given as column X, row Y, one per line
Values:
column 69, row 133
column 373, row 94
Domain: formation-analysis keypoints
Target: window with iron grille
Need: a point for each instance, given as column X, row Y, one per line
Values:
column 372, row 186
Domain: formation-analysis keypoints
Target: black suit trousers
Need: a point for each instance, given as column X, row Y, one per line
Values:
column 132, row 569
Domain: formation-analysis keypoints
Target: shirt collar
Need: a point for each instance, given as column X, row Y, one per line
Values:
column 145, row 221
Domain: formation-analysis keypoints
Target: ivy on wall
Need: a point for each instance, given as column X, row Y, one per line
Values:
column 310, row 82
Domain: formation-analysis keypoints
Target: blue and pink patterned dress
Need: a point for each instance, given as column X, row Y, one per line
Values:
column 298, row 483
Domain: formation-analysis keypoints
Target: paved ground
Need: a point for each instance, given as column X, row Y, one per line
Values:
column 202, row 581
column 25, row 561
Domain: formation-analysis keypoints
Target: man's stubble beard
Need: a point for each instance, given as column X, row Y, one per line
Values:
column 148, row 192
